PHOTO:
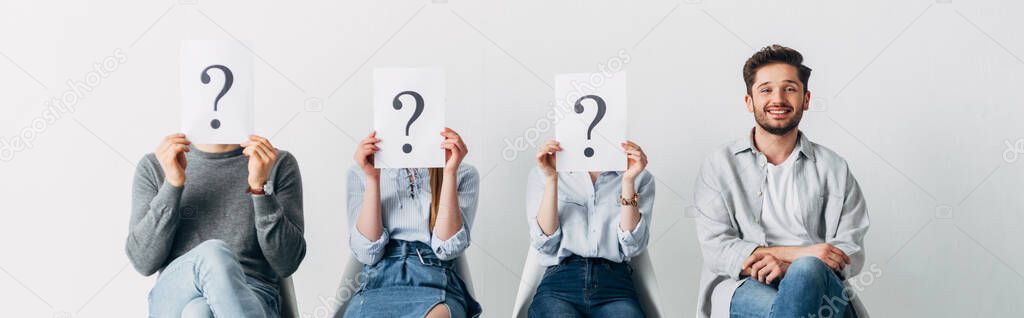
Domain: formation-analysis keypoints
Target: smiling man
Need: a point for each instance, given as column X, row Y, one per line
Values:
column 781, row 220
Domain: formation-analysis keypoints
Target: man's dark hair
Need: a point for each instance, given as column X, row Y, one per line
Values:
column 775, row 54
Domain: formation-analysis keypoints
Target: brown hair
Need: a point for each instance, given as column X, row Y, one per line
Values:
column 436, row 176
column 771, row 55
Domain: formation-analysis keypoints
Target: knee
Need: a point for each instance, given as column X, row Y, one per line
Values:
column 809, row 264
column 213, row 249
column 214, row 253
column 808, row 268
column 197, row 308
column 439, row 311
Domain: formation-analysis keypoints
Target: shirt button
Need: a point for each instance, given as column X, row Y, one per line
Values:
column 759, row 193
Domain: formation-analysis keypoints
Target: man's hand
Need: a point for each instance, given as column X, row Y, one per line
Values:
column 764, row 267
column 171, row 155
column 832, row 256
column 455, row 150
column 262, row 156
column 364, row 155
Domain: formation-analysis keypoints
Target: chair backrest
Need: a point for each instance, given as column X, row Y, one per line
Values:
column 289, row 309
column 643, row 281
column 350, row 282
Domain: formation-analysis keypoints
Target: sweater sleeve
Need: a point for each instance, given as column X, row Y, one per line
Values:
column 279, row 218
column 154, row 217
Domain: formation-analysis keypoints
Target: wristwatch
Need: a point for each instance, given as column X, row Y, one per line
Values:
column 268, row 189
column 630, row 202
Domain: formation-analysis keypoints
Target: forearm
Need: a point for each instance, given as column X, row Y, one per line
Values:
column 547, row 215
column 152, row 228
column 449, row 217
column 629, row 215
column 784, row 253
column 791, row 253
column 279, row 231
column 369, row 222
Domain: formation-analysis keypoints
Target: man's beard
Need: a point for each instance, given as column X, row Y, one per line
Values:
column 762, row 120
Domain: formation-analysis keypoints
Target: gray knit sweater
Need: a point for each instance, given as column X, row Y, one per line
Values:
column 264, row 231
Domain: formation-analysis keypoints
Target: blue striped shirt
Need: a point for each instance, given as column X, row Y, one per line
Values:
column 405, row 211
column 588, row 216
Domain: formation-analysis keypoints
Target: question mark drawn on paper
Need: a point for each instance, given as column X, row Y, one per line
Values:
column 229, row 78
column 589, row 152
column 397, row 104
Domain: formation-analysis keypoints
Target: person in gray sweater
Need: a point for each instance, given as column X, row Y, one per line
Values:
column 222, row 239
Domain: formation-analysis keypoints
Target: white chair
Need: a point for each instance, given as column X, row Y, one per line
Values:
column 643, row 281
column 289, row 309
column 350, row 282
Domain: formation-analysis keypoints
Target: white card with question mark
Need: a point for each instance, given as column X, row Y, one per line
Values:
column 216, row 91
column 592, row 124
column 408, row 116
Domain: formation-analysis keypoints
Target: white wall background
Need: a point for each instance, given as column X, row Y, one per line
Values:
column 920, row 97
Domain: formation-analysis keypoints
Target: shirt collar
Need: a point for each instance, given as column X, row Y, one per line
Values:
column 803, row 146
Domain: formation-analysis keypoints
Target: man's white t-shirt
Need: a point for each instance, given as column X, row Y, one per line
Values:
column 782, row 203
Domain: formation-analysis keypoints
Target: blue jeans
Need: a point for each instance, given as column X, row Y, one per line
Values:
column 808, row 289
column 208, row 281
column 408, row 282
column 586, row 287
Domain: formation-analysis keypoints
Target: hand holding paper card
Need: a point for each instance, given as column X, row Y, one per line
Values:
column 216, row 92
column 408, row 116
column 594, row 122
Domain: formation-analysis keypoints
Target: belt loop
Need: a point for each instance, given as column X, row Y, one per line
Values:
column 405, row 249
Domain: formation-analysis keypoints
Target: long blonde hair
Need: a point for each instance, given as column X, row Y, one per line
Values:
column 436, row 176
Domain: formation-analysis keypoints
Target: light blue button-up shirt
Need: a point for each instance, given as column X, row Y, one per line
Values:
column 588, row 216
column 405, row 211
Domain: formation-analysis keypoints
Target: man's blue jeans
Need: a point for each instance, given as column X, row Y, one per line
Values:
column 808, row 289
column 208, row 281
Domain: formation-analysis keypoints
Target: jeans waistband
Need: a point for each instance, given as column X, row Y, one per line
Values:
column 401, row 249
column 593, row 260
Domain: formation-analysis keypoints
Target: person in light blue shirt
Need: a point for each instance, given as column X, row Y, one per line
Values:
column 586, row 226
column 407, row 226
column 781, row 220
